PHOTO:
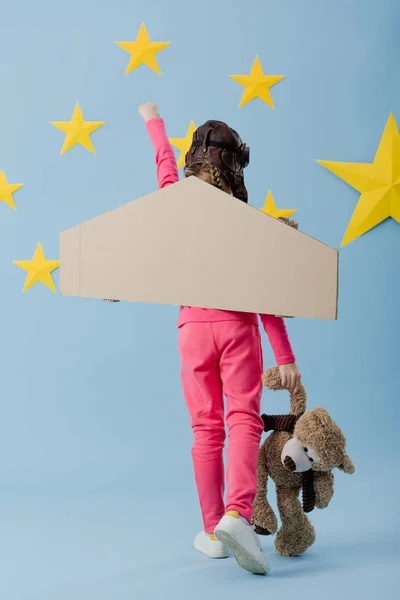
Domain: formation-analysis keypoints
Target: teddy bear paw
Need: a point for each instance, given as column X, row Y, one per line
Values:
column 265, row 523
column 290, row 542
column 262, row 530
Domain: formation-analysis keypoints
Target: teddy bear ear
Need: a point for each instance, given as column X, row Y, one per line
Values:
column 322, row 414
column 347, row 465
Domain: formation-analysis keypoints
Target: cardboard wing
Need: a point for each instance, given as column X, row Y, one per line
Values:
column 191, row 244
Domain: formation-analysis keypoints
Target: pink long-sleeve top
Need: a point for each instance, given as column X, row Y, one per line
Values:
column 275, row 328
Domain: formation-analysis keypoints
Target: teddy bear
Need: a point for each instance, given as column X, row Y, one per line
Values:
column 300, row 454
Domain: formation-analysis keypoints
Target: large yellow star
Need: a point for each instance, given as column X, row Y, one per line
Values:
column 38, row 269
column 183, row 144
column 77, row 130
column 378, row 182
column 7, row 190
column 143, row 51
column 271, row 210
column 257, row 84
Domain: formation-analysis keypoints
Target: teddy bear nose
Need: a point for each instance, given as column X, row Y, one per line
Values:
column 289, row 463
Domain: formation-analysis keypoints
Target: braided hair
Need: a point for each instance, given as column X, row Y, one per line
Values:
column 216, row 177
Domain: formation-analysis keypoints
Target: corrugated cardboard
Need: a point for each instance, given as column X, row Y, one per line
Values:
column 191, row 244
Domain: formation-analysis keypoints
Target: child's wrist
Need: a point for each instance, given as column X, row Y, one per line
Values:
column 151, row 117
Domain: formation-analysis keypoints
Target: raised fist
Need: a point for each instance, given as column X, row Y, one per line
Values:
column 148, row 111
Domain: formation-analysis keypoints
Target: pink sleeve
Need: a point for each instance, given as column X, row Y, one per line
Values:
column 167, row 171
column 275, row 329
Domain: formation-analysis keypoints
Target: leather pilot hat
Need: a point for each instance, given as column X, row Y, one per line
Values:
column 218, row 145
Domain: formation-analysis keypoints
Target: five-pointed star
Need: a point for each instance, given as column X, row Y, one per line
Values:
column 271, row 210
column 378, row 182
column 7, row 190
column 183, row 144
column 143, row 51
column 77, row 130
column 38, row 269
column 257, row 84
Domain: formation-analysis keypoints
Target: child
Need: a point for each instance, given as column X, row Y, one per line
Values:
column 221, row 355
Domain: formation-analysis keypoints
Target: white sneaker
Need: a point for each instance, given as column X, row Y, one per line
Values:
column 210, row 546
column 241, row 539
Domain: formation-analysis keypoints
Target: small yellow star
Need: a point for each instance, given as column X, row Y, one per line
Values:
column 7, row 190
column 77, row 130
column 183, row 144
column 38, row 269
column 378, row 182
column 143, row 51
column 257, row 84
column 271, row 210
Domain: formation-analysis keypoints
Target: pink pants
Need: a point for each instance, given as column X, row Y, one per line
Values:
column 223, row 358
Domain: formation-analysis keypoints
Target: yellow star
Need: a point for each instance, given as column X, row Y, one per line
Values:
column 38, row 269
column 77, row 130
column 183, row 144
column 143, row 51
column 257, row 84
column 7, row 190
column 271, row 210
column 378, row 182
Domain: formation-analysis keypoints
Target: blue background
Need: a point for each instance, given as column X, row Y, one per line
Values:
column 97, row 498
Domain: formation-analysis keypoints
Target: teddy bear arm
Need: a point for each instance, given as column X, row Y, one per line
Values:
column 264, row 517
column 323, row 487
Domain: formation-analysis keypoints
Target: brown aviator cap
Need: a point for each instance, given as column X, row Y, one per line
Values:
column 216, row 144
